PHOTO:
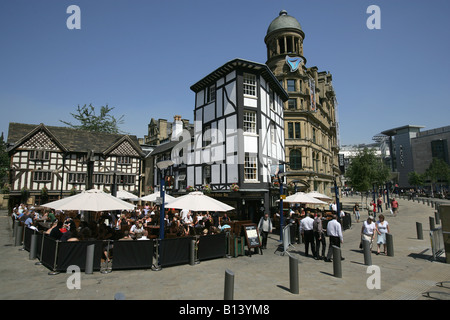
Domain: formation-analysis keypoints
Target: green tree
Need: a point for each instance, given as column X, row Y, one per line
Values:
column 90, row 121
column 415, row 179
column 438, row 171
column 4, row 163
column 365, row 171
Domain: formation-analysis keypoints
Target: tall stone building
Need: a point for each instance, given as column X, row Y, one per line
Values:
column 310, row 114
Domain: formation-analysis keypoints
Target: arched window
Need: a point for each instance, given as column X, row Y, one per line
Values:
column 295, row 159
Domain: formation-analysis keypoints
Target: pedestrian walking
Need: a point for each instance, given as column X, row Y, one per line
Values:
column 265, row 227
column 368, row 231
column 394, row 206
column 380, row 204
column 334, row 232
column 382, row 227
column 373, row 208
column 319, row 236
column 306, row 229
column 356, row 212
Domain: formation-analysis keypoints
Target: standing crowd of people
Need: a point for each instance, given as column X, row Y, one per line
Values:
column 315, row 227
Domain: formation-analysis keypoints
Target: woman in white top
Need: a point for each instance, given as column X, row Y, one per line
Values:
column 382, row 229
column 368, row 231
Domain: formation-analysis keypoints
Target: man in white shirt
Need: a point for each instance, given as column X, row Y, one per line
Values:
column 368, row 231
column 334, row 232
column 333, row 207
column 306, row 230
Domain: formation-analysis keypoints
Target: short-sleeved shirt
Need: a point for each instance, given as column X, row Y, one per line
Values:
column 369, row 228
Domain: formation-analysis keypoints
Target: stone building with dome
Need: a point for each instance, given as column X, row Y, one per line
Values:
column 310, row 114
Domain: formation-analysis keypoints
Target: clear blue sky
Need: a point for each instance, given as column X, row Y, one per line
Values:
column 141, row 57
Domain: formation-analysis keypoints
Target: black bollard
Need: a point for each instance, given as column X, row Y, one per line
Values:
column 389, row 245
column 367, row 253
column 16, row 225
column 419, row 231
column 90, row 259
column 432, row 226
column 337, row 263
column 192, row 253
column 293, row 275
column 18, row 236
column 229, row 285
column 33, row 247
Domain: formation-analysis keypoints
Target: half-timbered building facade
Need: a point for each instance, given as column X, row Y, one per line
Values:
column 59, row 161
column 238, row 136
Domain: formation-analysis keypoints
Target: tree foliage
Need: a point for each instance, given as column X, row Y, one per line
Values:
column 416, row 179
column 366, row 170
column 4, row 163
column 90, row 121
column 438, row 171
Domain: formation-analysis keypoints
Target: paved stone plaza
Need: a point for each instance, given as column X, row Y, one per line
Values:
column 404, row 276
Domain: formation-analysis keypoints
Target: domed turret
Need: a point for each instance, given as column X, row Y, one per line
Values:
column 284, row 37
column 284, row 21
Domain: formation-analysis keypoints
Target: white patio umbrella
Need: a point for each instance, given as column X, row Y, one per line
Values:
column 125, row 195
column 301, row 197
column 197, row 201
column 320, row 196
column 152, row 197
column 90, row 200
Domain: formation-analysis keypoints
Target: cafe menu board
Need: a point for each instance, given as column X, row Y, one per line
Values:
column 252, row 235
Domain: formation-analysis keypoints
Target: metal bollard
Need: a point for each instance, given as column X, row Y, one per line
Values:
column 16, row 225
column 437, row 217
column 33, row 247
column 389, row 245
column 192, row 253
column 229, row 285
column 18, row 236
column 428, row 202
column 367, row 253
column 90, row 259
column 432, row 226
column 337, row 263
column 419, row 231
column 293, row 275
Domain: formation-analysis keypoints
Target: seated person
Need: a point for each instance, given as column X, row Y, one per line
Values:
column 126, row 236
column 144, row 236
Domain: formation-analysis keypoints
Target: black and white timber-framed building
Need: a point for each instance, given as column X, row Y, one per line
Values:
column 64, row 161
column 238, row 137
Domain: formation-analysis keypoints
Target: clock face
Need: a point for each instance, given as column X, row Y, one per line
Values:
column 293, row 63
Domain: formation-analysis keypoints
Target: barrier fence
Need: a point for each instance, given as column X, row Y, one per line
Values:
column 437, row 242
column 125, row 254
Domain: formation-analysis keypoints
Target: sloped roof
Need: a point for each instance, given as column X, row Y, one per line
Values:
column 71, row 140
column 231, row 65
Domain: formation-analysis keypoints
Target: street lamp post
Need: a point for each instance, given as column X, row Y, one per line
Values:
column 162, row 166
column 336, row 193
column 280, row 175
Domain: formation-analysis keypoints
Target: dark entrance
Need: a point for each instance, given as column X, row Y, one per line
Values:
column 252, row 210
